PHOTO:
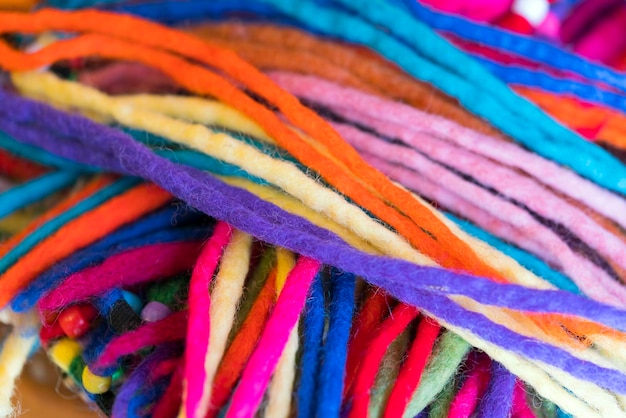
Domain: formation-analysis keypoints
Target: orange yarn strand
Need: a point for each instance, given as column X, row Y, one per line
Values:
column 81, row 232
column 454, row 254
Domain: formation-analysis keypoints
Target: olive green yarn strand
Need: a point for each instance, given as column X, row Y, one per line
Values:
column 172, row 292
column 541, row 407
column 441, row 405
column 387, row 373
column 548, row 409
column 253, row 287
column 442, row 366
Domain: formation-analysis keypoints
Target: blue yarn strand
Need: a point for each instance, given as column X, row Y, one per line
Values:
column 311, row 347
column 535, row 49
column 170, row 12
column 330, row 379
column 513, row 74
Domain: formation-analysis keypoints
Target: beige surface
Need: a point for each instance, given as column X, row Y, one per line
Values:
column 39, row 397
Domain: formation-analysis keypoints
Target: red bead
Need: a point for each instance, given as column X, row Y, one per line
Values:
column 51, row 332
column 76, row 320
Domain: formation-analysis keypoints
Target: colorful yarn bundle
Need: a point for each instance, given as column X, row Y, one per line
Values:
column 312, row 208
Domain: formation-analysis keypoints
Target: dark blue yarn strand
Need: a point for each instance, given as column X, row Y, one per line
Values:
column 139, row 406
column 516, row 75
column 96, row 341
column 114, row 244
column 423, row 414
column 53, row 225
column 20, row 196
column 498, row 400
column 311, row 346
column 105, row 302
column 334, row 353
column 535, row 49
column 171, row 12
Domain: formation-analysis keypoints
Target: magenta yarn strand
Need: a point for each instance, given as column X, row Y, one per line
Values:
column 199, row 322
column 256, row 376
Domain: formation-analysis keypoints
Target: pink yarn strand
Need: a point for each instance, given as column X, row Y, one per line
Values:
column 197, row 343
column 523, row 230
column 262, row 362
column 520, row 402
column 129, row 268
column 466, row 401
column 374, row 108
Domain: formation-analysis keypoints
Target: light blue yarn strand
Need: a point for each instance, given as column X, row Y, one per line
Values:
column 32, row 191
column 56, row 223
column 526, row 259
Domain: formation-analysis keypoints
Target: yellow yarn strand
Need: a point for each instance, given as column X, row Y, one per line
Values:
column 285, row 260
column 296, row 207
column 223, row 147
column 210, row 112
column 225, row 297
column 203, row 111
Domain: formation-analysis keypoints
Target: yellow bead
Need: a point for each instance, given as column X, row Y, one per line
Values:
column 95, row 384
column 63, row 352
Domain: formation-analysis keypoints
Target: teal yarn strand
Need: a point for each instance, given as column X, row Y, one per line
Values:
column 41, row 156
column 53, row 225
column 526, row 259
column 182, row 155
column 19, row 197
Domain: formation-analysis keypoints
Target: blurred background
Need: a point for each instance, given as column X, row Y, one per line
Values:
column 41, row 393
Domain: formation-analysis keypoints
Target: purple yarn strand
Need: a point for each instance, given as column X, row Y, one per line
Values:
column 114, row 148
column 139, row 379
column 409, row 283
column 498, row 400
